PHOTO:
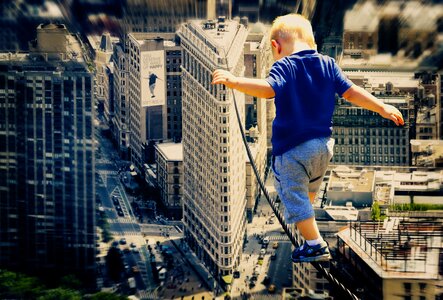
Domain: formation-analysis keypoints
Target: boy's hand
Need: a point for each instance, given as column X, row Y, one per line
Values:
column 224, row 77
column 391, row 113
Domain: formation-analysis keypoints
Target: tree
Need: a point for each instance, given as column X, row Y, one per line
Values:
column 70, row 282
column 17, row 285
column 60, row 294
column 106, row 296
column 114, row 262
column 375, row 212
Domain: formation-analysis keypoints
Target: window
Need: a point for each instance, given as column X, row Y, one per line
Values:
column 407, row 287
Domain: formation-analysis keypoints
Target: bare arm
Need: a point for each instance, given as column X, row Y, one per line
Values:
column 363, row 98
column 259, row 88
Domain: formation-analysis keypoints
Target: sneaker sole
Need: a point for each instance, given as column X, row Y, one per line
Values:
column 325, row 257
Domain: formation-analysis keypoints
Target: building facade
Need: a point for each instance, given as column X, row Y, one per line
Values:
column 214, row 157
column 147, row 96
column 120, row 120
column 257, row 62
column 47, row 187
column 104, row 77
column 161, row 16
column 363, row 137
column 169, row 161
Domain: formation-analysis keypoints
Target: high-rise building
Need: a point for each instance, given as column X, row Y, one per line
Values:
column 147, row 95
column 363, row 137
column 120, row 121
column 47, row 190
column 161, row 16
column 213, row 153
column 104, row 76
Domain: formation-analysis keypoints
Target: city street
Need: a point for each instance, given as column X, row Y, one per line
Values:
column 278, row 270
column 123, row 224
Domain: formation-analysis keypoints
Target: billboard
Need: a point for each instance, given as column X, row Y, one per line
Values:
column 153, row 79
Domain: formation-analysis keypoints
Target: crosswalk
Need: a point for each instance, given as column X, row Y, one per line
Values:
column 126, row 232
column 148, row 295
column 126, row 220
column 107, row 172
column 278, row 237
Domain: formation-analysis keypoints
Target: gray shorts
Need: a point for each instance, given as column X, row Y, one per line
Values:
column 299, row 171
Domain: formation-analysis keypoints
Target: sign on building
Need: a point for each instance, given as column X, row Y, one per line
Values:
column 153, row 79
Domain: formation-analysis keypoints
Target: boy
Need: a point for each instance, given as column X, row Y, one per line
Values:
column 304, row 84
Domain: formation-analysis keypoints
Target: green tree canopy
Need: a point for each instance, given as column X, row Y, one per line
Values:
column 60, row 294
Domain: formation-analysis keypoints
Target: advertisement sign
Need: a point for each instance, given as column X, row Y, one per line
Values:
column 153, row 79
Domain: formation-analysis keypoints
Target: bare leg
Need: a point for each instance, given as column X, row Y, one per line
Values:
column 308, row 228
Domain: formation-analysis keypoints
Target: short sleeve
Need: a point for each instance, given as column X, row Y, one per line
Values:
column 342, row 83
column 277, row 78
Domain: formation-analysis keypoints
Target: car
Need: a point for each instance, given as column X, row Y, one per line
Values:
column 262, row 251
column 114, row 244
column 275, row 245
column 261, row 256
column 135, row 269
column 271, row 288
column 266, row 280
column 236, row 274
column 271, row 221
column 260, row 262
column 133, row 245
column 266, row 240
column 115, row 200
column 251, row 284
column 120, row 213
column 122, row 241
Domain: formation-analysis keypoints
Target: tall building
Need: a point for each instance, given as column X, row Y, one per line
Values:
column 363, row 137
column 213, row 153
column 104, row 76
column 47, row 190
column 161, row 16
column 147, row 95
column 120, row 121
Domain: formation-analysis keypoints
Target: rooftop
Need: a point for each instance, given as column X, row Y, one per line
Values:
column 171, row 151
column 398, row 247
column 427, row 152
column 345, row 179
column 220, row 34
column 381, row 78
column 383, row 62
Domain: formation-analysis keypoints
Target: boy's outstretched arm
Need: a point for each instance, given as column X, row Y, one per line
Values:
column 363, row 98
column 259, row 88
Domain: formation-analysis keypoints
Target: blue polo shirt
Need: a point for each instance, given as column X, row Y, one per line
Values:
column 305, row 84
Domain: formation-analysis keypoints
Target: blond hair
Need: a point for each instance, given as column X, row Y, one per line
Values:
column 293, row 27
